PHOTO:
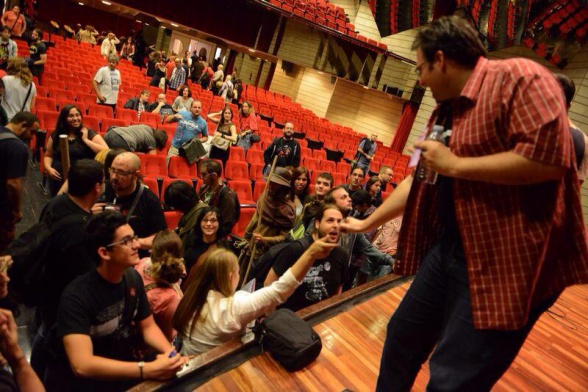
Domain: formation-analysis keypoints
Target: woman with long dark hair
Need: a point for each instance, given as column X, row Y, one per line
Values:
column 208, row 236
column 84, row 143
column 373, row 187
column 300, row 184
column 225, row 130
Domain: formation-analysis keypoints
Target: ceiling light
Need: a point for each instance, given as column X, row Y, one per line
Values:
column 162, row 27
column 146, row 24
column 138, row 21
column 251, row 50
column 321, row 73
column 106, row 2
column 80, row 3
column 366, row 87
column 175, row 25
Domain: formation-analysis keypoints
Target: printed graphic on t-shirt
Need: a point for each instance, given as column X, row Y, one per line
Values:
column 315, row 285
column 284, row 152
column 114, row 81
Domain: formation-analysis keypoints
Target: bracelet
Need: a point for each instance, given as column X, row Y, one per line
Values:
column 141, row 364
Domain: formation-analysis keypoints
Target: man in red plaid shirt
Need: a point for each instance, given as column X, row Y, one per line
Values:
column 499, row 234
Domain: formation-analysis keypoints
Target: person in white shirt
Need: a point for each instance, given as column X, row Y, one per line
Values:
column 108, row 46
column 211, row 312
column 107, row 83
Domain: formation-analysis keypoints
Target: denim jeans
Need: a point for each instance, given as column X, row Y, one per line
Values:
column 437, row 310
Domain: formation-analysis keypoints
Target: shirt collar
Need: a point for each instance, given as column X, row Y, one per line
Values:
column 474, row 83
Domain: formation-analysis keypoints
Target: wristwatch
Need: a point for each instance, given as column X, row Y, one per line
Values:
column 141, row 365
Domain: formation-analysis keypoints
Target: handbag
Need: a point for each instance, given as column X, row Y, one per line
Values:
column 255, row 138
column 192, row 150
column 290, row 340
column 219, row 142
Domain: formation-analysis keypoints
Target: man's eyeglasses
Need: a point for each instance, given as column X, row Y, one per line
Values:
column 127, row 241
column 204, row 175
column 120, row 173
column 418, row 68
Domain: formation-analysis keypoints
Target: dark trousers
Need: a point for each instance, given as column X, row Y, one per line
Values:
column 437, row 310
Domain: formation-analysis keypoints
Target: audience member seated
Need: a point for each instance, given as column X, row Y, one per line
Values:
column 225, row 130
column 19, row 376
column 184, row 99
column 100, row 314
column 386, row 240
column 139, row 104
column 356, row 244
column 385, row 176
column 212, row 313
column 373, row 186
column 161, row 274
column 127, row 51
column 161, row 106
column 274, row 217
column 19, row 90
column 248, row 125
column 300, row 184
column 83, row 143
column 322, row 185
column 145, row 215
column 182, row 197
column 207, row 237
column 355, row 181
column 325, row 278
column 136, row 138
column 190, row 125
column 216, row 193
column 68, row 256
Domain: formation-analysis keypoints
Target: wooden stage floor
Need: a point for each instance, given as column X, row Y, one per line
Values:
column 554, row 357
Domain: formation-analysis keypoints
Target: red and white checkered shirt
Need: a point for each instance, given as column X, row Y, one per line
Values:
column 523, row 243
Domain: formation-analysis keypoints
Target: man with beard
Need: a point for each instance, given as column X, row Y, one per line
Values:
column 286, row 148
column 216, row 193
column 325, row 278
column 140, row 206
column 38, row 54
column 360, row 250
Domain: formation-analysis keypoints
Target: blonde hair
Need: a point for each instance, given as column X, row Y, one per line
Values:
column 167, row 264
column 17, row 67
column 212, row 274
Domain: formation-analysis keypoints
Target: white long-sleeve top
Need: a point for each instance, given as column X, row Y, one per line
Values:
column 226, row 317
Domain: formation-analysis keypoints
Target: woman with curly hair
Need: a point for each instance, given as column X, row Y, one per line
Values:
column 161, row 274
column 83, row 143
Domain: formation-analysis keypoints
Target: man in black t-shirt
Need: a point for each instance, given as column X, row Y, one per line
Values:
column 325, row 278
column 98, row 316
column 13, row 165
column 147, row 218
column 286, row 148
column 38, row 53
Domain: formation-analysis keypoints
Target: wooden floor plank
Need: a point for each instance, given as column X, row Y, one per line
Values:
column 554, row 357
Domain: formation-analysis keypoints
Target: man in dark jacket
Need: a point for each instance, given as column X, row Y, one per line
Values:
column 139, row 104
column 286, row 148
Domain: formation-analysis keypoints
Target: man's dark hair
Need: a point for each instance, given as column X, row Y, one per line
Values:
column 212, row 166
column 39, row 33
column 83, row 176
column 355, row 168
column 454, row 36
column 361, row 198
column 324, row 207
column 180, row 196
column 327, row 176
column 160, row 138
column 24, row 117
column 568, row 86
column 5, row 28
column 220, row 234
column 329, row 196
column 100, row 230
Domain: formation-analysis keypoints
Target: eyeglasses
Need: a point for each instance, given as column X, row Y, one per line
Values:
column 418, row 68
column 127, row 241
column 204, row 175
column 120, row 173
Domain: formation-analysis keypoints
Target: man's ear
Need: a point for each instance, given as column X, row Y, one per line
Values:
column 103, row 253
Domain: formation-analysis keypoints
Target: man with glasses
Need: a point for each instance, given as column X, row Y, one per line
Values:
column 385, row 176
column 102, row 312
column 216, row 193
column 146, row 218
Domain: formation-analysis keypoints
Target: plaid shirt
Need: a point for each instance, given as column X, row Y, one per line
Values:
column 523, row 243
column 178, row 77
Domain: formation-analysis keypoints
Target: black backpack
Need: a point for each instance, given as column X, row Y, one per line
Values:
column 290, row 340
column 31, row 253
column 262, row 266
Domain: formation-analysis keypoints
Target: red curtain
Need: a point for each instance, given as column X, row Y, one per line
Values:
column 409, row 112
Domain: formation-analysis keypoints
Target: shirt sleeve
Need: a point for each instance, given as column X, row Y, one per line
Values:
column 72, row 317
column 99, row 77
column 538, row 122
